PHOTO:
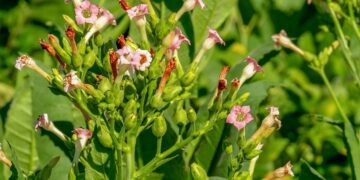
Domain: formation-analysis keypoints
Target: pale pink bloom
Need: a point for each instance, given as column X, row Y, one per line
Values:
column 250, row 69
column 104, row 19
column 86, row 13
column 138, row 12
column 239, row 116
column 281, row 39
column 142, row 58
column 126, row 56
column 108, row 16
column 43, row 121
column 24, row 60
column 177, row 40
column 83, row 135
column 190, row 4
column 200, row 3
column 71, row 81
column 213, row 34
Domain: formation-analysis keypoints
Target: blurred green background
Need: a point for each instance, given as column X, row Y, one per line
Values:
column 305, row 104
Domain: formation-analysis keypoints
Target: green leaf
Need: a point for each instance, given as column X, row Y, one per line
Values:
column 15, row 168
column 353, row 147
column 20, row 130
column 45, row 173
column 308, row 172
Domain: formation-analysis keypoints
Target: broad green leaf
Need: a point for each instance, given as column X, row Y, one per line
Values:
column 20, row 130
column 353, row 147
column 308, row 172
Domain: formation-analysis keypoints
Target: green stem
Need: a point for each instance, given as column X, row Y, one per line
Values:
column 332, row 93
column 345, row 47
column 353, row 20
column 158, row 146
column 130, row 156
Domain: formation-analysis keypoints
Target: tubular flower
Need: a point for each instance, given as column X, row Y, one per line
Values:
column 27, row 61
column 71, row 81
column 105, row 19
column 45, row 123
column 142, row 58
column 272, row 118
column 281, row 39
column 191, row 4
column 213, row 38
column 281, row 172
column 83, row 135
column 179, row 37
column 239, row 116
column 250, row 69
column 138, row 12
column 86, row 13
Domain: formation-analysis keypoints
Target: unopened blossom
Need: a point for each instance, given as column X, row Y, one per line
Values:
column 212, row 39
column 4, row 159
column 44, row 122
column 250, row 69
column 281, row 39
column 239, row 116
column 86, row 13
column 83, row 135
column 138, row 12
column 105, row 18
column 272, row 118
column 281, row 172
column 71, row 81
column 178, row 38
column 189, row 5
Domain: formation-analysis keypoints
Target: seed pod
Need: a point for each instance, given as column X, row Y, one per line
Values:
column 54, row 41
column 67, row 46
column 109, row 97
column 105, row 85
column 72, row 23
column 81, row 46
column 99, row 41
column 90, row 58
column 76, row 60
column 130, row 108
column 157, row 102
column 198, row 173
column 104, row 137
column 159, row 126
column 130, row 121
column 181, row 117
column 106, row 63
column 119, row 97
column 188, row 79
column 171, row 92
column 191, row 114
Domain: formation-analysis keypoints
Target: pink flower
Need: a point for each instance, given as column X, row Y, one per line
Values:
column 250, row 69
column 142, row 58
column 138, row 12
column 108, row 16
column 43, row 121
column 281, row 39
column 201, row 3
column 86, row 13
column 71, row 81
column 239, row 116
column 24, row 60
column 105, row 19
column 177, row 40
column 83, row 135
column 190, row 4
column 213, row 34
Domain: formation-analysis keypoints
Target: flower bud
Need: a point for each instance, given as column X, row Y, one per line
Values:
column 77, row 60
column 106, row 63
column 229, row 149
column 252, row 154
column 99, row 40
column 119, row 97
column 104, row 137
column 71, row 175
column 191, row 114
column 198, row 173
column 66, row 45
column 72, row 23
column 241, row 175
column 130, row 121
column 188, row 79
column 181, row 117
column 171, row 92
column 105, row 85
column 54, row 41
column 81, row 46
column 159, row 126
column 130, row 108
column 91, row 125
column 157, row 102
column 89, row 60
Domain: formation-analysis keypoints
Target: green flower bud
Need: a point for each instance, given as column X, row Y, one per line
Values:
column 181, row 117
column 159, row 127
column 188, row 79
column 252, row 154
column 89, row 59
column 119, row 97
column 171, row 92
column 130, row 108
column 72, row 23
column 229, row 149
column 77, row 60
column 109, row 97
column 105, row 85
column 104, row 137
column 91, row 125
column 198, row 173
column 191, row 114
column 81, row 46
column 99, row 41
column 157, row 102
column 71, row 175
column 310, row 57
column 130, row 121
column 130, row 89
column 106, row 63
column 241, row 175
column 54, row 41
column 67, row 46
